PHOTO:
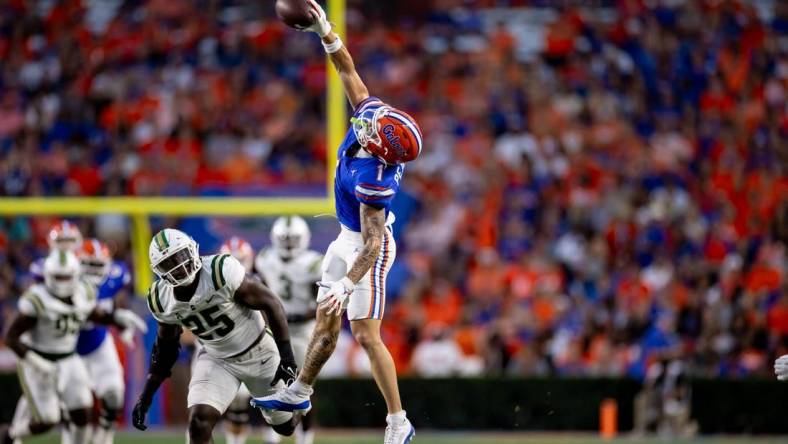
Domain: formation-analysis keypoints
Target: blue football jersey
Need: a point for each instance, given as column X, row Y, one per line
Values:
column 37, row 270
column 118, row 278
column 363, row 179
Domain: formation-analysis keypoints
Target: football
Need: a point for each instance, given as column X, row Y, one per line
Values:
column 294, row 13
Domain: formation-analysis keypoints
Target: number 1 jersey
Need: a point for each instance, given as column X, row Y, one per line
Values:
column 223, row 326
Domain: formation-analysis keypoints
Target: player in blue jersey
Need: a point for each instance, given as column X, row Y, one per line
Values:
column 371, row 163
column 95, row 345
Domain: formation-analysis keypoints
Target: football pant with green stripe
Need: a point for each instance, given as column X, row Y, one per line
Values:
column 44, row 394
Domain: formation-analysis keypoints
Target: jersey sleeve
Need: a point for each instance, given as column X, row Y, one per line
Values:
column 30, row 305
column 227, row 271
column 377, row 184
column 154, row 302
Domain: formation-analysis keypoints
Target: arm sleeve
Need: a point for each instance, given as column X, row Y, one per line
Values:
column 163, row 357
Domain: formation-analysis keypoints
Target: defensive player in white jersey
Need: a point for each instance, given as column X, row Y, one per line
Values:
column 292, row 270
column 214, row 298
column 370, row 166
column 44, row 337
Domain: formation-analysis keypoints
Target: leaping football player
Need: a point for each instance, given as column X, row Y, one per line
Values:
column 44, row 336
column 223, row 307
column 371, row 163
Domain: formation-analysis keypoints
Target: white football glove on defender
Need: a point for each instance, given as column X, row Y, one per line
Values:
column 781, row 368
column 320, row 24
column 335, row 295
column 40, row 364
column 130, row 323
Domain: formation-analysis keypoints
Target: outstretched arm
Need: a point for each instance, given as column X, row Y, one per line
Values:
column 162, row 358
column 340, row 57
column 355, row 89
column 253, row 294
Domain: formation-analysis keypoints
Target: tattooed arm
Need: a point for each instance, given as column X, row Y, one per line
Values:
column 373, row 222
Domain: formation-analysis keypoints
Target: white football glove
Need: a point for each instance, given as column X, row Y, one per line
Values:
column 128, row 320
column 40, row 364
column 781, row 368
column 335, row 295
column 127, row 336
column 320, row 24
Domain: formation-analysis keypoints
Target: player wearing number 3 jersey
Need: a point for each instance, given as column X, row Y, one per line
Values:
column 213, row 297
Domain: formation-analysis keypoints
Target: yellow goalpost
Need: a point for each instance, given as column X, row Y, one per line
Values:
column 139, row 209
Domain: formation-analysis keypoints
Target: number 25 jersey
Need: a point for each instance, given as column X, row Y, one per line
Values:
column 57, row 322
column 223, row 326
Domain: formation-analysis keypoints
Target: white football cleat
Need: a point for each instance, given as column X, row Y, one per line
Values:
column 284, row 400
column 401, row 433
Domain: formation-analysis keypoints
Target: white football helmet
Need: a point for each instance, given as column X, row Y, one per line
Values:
column 174, row 256
column 61, row 273
column 239, row 249
column 290, row 236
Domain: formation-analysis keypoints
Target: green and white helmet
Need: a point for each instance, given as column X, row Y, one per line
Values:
column 61, row 273
column 290, row 236
column 174, row 256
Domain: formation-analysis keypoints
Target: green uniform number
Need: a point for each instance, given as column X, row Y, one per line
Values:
column 205, row 326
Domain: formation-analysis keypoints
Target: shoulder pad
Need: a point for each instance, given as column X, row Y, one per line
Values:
column 217, row 275
column 154, row 299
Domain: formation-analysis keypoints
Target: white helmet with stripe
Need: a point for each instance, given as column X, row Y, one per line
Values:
column 61, row 273
column 290, row 236
column 174, row 256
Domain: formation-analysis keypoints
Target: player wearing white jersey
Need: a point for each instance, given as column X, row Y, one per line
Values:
column 292, row 270
column 213, row 297
column 44, row 337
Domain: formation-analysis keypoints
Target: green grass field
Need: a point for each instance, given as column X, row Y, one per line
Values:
column 337, row 437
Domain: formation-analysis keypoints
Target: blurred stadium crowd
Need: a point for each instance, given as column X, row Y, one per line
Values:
column 600, row 188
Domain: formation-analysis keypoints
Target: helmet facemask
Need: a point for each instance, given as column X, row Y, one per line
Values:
column 290, row 236
column 61, row 273
column 366, row 128
column 94, row 270
column 288, row 245
column 179, row 267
